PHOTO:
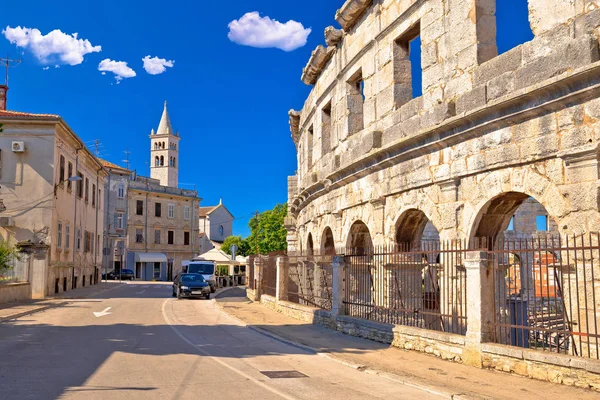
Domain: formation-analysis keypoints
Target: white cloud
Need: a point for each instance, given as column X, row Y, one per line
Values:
column 264, row 32
column 119, row 68
column 46, row 68
column 155, row 65
column 55, row 47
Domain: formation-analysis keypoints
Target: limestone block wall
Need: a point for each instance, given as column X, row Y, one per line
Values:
column 526, row 121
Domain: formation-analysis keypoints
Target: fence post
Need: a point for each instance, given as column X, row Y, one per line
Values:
column 258, row 290
column 339, row 288
column 480, row 306
column 282, row 275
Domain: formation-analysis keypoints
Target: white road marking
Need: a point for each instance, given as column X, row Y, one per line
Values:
column 103, row 313
column 205, row 353
column 141, row 292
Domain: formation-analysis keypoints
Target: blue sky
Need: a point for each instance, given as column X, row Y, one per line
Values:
column 228, row 101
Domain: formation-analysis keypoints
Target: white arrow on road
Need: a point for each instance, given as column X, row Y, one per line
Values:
column 103, row 313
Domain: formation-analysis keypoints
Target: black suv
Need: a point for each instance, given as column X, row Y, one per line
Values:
column 126, row 274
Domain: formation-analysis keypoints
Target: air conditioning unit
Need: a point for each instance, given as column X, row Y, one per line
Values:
column 6, row 221
column 18, row 147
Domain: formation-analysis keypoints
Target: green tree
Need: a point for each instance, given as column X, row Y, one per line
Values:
column 242, row 244
column 7, row 255
column 268, row 233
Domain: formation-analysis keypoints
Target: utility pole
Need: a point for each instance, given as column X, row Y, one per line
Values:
column 257, row 230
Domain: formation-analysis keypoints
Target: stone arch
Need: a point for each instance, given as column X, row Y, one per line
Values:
column 524, row 183
column 310, row 248
column 163, row 145
column 327, row 242
column 412, row 227
column 156, row 161
column 162, row 161
column 359, row 239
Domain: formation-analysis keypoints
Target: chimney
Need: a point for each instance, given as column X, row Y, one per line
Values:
column 3, row 90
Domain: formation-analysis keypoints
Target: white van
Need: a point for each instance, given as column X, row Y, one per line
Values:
column 205, row 268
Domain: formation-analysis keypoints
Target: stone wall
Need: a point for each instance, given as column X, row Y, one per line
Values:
column 526, row 121
column 552, row 367
column 15, row 292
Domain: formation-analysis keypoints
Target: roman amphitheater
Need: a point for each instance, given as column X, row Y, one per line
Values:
column 380, row 163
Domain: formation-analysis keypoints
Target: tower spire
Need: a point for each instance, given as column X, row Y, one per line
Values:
column 164, row 127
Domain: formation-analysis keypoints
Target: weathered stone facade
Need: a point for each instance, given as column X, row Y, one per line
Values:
column 489, row 131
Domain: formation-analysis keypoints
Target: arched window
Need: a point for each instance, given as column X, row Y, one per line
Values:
column 156, row 161
column 170, row 161
column 174, row 161
column 162, row 161
column 155, row 146
column 163, row 145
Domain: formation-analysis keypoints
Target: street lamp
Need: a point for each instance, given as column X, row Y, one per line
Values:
column 76, row 179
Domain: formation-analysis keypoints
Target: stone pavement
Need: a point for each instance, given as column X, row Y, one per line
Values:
column 413, row 368
column 14, row 310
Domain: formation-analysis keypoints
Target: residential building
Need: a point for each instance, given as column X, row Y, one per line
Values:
column 156, row 222
column 57, row 220
column 216, row 224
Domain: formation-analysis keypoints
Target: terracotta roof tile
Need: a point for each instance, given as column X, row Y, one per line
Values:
column 108, row 164
column 204, row 211
column 20, row 114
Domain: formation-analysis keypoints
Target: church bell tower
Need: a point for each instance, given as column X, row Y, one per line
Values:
column 164, row 151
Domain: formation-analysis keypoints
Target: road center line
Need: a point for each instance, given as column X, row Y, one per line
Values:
column 205, row 353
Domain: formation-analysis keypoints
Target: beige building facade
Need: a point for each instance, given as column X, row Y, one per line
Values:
column 58, row 219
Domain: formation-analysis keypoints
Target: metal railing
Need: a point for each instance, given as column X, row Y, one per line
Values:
column 547, row 293
column 421, row 285
column 310, row 280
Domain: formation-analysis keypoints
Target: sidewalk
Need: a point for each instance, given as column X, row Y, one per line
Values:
column 413, row 368
column 10, row 311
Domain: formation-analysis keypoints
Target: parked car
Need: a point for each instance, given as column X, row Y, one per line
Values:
column 126, row 274
column 190, row 286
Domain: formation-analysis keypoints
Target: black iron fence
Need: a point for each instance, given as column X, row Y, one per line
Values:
column 310, row 280
column 547, row 293
column 421, row 285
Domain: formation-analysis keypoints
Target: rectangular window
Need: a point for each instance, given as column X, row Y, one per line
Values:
column 139, row 208
column 355, row 103
column 171, row 210
column 309, row 145
column 86, row 242
column 407, row 66
column 158, row 210
column 326, row 129
column 93, row 195
column 61, row 176
column 157, row 236
column 121, row 191
column 67, row 236
column 186, row 213
column 87, row 190
column 120, row 221
column 78, row 239
column 541, row 222
column 171, row 237
column 99, row 197
column 186, row 238
column 139, row 237
column 59, row 235
column 70, row 173
column 80, row 185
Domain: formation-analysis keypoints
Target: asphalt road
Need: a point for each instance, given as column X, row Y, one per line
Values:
column 151, row 346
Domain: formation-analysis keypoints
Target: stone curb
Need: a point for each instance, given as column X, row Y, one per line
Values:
column 29, row 312
column 361, row 368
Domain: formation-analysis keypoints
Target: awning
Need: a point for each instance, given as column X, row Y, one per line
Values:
column 150, row 257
